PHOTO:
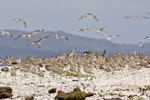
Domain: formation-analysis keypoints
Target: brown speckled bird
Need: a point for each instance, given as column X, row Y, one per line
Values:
column 6, row 33
column 38, row 42
column 19, row 20
column 88, row 14
column 30, row 34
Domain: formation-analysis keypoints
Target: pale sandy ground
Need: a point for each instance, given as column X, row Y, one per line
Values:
column 122, row 83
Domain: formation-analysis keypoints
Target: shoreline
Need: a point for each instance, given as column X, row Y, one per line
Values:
column 106, row 81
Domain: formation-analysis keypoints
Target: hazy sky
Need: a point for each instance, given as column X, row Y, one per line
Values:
column 63, row 15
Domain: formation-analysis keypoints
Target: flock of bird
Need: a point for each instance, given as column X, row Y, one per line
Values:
column 110, row 37
column 59, row 37
column 98, row 30
column 31, row 34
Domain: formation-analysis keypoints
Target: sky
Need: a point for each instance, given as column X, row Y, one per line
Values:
column 54, row 15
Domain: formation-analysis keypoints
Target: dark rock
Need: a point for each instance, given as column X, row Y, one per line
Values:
column 14, row 63
column 53, row 90
column 5, row 92
column 77, row 94
column 5, row 89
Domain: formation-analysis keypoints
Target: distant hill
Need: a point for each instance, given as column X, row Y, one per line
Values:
column 51, row 46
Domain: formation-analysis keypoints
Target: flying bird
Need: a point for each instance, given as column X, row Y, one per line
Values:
column 98, row 30
column 136, row 17
column 30, row 34
column 110, row 37
column 146, row 37
column 140, row 44
column 82, row 29
column 58, row 37
column 88, row 14
column 38, row 42
column 19, row 20
column 6, row 33
column 101, row 29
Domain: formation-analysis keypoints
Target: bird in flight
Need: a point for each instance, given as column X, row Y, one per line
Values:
column 38, row 42
column 58, row 37
column 6, row 33
column 136, row 17
column 110, row 37
column 19, row 20
column 30, row 34
column 82, row 29
column 101, row 29
column 98, row 30
column 88, row 14
column 140, row 43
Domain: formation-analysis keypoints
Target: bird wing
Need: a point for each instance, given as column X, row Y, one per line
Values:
column 9, row 34
column 140, row 44
column 25, row 24
column 85, row 15
column 43, row 38
column 22, row 21
column 147, row 37
column 46, row 36
column 95, row 18
column 19, row 20
column 80, row 30
column 20, row 36
column 66, row 38
column 128, row 17
column 36, row 32
column 81, row 17
column 57, row 36
column 63, row 37
column 88, row 14
column 34, row 42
